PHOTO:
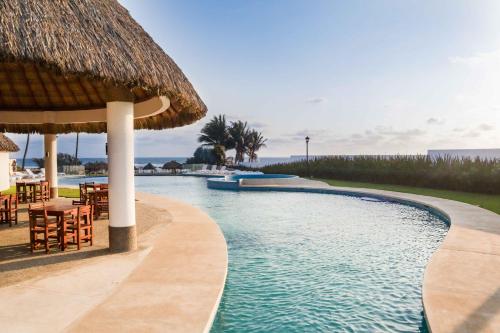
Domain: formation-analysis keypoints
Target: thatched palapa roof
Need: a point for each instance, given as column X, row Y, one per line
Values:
column 7, row 144
column 62, row 55
column 172, row 165
column 149, row 166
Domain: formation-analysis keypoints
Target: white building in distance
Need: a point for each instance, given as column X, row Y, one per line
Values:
column 485, row 154
column 6, row 146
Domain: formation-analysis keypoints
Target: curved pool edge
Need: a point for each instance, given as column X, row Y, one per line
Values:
column 180, row 292
column 461, row 285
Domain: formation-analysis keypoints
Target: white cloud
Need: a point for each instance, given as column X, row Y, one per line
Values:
column 316, row 100
column 478, row 59
column 486, row 127
column 435, row 121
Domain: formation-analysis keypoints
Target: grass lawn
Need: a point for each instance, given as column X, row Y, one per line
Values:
column 63, row 192
column 487, row 201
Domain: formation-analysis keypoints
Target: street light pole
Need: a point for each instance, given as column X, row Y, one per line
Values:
column 307, row 156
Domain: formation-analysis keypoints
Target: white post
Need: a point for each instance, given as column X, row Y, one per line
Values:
column 50, row 143
column 120, row 131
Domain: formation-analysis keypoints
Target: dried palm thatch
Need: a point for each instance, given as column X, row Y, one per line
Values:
column 62, row 54
column 172, row 165
column 7, row 144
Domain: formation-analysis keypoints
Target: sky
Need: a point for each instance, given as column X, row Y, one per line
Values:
column 358, row 77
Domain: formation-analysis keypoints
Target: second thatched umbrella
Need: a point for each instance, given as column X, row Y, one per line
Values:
column 172, row 165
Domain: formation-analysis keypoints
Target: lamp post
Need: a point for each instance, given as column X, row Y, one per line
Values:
column 307, row 156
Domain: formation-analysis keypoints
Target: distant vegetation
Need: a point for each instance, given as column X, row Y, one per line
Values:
column 203, row 155
column 62, row 159
column 219, row 136
column 96, row 167
column 456, row 174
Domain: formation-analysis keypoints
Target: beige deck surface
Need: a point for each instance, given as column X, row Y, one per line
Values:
column 17, row 263
column 461, row 287
column 173, row 283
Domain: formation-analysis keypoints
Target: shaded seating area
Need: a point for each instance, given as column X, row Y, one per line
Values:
column 59, row 225
column 8, row 209
column 96, row 195
column 92, row 80
column 33, row 191
column 54, row 224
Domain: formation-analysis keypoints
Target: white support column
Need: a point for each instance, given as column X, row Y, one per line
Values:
column 50, row 143
column 120, row 131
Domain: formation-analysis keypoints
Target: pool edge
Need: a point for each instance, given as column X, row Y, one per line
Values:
column 449, row 278
column 180, row 292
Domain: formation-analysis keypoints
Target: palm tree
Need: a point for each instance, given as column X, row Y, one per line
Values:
column 239, row 133
column 76, row 150
column 255, row 140
column 25, row 151
column 215, row 133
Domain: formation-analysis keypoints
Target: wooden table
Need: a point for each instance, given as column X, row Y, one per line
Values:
column 30, row 188
column 59, row 210
column 99, row 206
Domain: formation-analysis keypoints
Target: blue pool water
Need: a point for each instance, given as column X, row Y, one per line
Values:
column 303, row 262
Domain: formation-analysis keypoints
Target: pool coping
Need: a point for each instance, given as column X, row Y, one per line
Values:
column 461, row 285
column 176, row 293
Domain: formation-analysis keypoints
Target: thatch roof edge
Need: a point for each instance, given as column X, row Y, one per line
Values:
column 7, row 145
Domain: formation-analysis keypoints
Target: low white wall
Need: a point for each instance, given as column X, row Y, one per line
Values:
column 4, row 171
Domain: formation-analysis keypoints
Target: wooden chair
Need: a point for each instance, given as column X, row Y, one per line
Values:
column 4, row 208
column 42, row 225
column 89, row 186
column 81, row 229
column 9, row 208
column 84, row 197
column 68, row 223
column 22, row 192
column 101, row 203
column 42, row 191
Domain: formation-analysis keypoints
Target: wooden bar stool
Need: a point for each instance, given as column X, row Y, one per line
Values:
column 42, row 191
column 68, row 223
column 42, row 225
column 8, row 209
column 22, row 192
column 81, row 229
column 13, row 209
column 4, row 208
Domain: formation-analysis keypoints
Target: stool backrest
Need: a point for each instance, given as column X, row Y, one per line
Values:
column 36, row 212
column 13, row 202
column 83, row 192
column 4, row 199
column 20, row 187
column 85, row 214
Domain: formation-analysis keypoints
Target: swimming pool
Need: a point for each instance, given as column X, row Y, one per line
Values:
column 303, row 262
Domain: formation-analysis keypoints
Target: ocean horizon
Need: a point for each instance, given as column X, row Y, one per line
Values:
column 263, row 161
column 159, row 161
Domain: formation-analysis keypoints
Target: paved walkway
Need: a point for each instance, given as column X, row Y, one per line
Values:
column 172, row 285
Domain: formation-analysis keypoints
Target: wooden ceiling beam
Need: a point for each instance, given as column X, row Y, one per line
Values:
column 56, row 86
column 46, row 92
column 22, row 70
column 82, row 86
column 11, row 86
column 67, row 86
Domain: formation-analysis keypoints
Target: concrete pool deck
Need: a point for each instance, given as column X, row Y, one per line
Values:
column 461, row 286
column 173, row 283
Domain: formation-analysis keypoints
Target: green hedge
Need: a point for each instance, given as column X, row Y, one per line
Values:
column 457, row 174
